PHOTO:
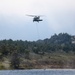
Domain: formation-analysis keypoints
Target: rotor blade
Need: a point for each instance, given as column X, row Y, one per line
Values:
column 35, row 15
column 31, row 15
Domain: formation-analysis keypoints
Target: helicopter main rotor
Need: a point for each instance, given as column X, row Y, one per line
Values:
column 35, row 15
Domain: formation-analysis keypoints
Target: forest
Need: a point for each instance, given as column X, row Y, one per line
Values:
column 58, row 51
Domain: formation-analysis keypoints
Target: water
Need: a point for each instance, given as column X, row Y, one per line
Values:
column 38, row 72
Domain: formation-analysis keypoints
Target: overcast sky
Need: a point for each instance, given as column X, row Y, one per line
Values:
column 59, row 16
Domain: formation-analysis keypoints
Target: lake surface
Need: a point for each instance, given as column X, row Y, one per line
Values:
column 38, row 72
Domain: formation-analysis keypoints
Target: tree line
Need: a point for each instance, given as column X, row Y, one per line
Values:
column 19, row 48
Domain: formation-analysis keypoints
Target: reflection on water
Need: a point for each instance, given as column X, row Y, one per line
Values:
column 39, row 72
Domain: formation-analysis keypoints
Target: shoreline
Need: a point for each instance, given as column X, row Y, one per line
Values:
column 39, row 70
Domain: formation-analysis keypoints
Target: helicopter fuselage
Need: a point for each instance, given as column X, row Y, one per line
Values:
column 37, row 19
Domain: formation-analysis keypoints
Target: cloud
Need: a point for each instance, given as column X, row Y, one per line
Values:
column 17, row 7
column 22, row 6
column 59, row 16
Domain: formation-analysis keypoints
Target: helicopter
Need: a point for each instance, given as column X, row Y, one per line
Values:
column 36, row 18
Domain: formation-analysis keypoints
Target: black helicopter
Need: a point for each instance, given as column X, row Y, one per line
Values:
column 36, row 18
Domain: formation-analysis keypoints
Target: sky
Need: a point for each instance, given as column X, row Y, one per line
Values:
column 58, row 17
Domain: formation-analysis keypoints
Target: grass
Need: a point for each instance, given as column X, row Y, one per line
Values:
column 48, row 60
column 1, row 66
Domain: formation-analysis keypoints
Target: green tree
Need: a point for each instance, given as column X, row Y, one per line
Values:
column 15, row 61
